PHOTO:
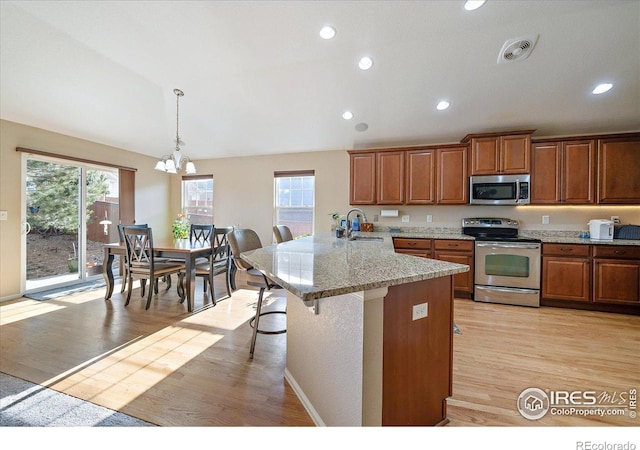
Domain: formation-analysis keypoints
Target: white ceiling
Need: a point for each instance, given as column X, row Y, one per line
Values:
column 258, row 79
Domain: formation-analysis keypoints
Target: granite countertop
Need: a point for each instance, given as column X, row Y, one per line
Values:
column 322, row 265
column 550, row 237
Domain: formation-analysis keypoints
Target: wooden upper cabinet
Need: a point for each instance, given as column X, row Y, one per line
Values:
column 390, row 178
column 619, row 170
column 563, row 172
column 546, row 167
column 362, row 183
column 452, row 181
column 499, row 153
column 485, row 156
column 420, row 177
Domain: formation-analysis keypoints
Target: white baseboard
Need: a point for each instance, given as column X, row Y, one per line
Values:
column 317, row 420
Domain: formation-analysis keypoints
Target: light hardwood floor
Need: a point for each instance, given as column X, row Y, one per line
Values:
column 173, row 368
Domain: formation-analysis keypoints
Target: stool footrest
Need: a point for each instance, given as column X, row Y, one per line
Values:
column 252, row 320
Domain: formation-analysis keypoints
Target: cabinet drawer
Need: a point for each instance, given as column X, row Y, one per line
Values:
column 414, row 252
column 565, row 249
column 452, row 244
column 616, row 251
column 423, row 244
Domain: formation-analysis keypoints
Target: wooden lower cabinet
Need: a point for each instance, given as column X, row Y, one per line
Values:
column 460, row 252
column 566, row 278
column 616, row 275
column 599, row 277
column 450, row 250
column 416, row 247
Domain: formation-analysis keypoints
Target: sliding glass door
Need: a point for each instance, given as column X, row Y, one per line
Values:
column 71, row 210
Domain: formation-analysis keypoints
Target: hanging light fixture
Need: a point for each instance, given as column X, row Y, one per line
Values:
column 176, row 161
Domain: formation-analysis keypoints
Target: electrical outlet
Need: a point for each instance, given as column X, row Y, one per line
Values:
column 614, row 219
column 375, row 217
column 405, row 219
column 420, row 311
column 429, row 218
column 4, row 215
column 545, row 220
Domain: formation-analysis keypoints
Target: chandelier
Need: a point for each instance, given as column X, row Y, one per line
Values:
column 174, row 163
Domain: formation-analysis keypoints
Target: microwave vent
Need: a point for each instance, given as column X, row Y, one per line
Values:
column 517, row 49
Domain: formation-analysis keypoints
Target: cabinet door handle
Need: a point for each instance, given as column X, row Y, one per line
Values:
column 620, row 252
column 412, row 243
column 563, row 249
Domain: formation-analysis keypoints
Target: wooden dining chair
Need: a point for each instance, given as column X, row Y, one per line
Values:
column 125, row 275
column 243, row 241
column 200, row 233
column 217, row 263
column 142, row 264
column 222, row 256
column 282, row 233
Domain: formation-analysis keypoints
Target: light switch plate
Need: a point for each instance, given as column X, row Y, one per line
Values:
column 429, row 218
column 4, row 215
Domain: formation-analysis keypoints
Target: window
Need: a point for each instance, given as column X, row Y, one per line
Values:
column 295, row 201
column 197, row 199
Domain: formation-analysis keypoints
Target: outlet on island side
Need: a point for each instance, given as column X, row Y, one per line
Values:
column 420, row 311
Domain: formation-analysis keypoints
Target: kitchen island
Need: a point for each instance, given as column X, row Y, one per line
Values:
column 369, row 331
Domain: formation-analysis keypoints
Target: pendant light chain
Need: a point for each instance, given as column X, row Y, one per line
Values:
column 175, row 162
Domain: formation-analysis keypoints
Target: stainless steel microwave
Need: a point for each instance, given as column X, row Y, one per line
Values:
column 499, row 189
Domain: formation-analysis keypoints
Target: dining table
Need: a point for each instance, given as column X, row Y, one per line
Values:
column 176, row 249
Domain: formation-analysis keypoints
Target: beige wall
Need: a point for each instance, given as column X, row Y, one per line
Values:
column 561, row 218
column 243, row 188
column 243, row 194
column 152, row 190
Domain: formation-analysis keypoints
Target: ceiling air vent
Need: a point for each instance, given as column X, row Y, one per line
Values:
column 517, row 49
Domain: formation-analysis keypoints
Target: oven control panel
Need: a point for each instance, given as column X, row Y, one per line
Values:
column 488, row 222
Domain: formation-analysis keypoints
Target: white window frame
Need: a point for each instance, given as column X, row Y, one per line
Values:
column 277, row 177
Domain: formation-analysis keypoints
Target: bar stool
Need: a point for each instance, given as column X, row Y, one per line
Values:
column 282, row 233
column 245, row 240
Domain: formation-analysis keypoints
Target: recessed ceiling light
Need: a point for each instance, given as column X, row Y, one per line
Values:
column 327, row 32
column 347, row 115
column 472, row 5
column 442, row 105
column 602, row 88
column 365, row 63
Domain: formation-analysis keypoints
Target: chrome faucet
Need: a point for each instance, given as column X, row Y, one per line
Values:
column 349, row 229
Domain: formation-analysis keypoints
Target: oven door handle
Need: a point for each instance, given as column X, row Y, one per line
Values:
column 521, row 290
column 501, row 245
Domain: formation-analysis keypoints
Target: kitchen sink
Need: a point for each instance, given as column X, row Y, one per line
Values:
column 367, row 238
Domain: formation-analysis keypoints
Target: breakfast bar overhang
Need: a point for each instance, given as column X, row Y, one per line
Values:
column 369, row 331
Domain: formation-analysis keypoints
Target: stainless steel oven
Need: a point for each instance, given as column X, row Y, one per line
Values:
column 507, row 272
column 507, row 267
